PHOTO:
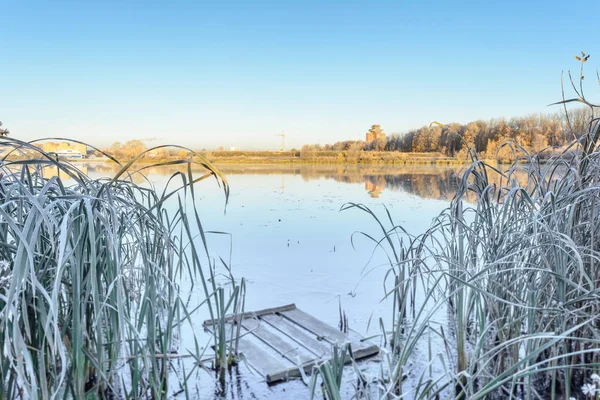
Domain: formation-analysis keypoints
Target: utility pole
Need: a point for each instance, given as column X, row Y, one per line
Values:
column 282, row 134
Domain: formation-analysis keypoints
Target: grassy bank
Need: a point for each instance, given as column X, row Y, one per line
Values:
column 370, row 157
column 329, row 157
column 349, row 157
column 346, row 158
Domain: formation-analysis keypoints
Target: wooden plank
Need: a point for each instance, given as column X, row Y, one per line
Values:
column 289, row 373
column 295, row 372
column 265, row 360
column 281, row 344
column 315, row 326
column 320, row 348
column 229, row 332
column 322, row 330
column 262, row 358
column 283, row 339
column 365, row 348
column 252, row 314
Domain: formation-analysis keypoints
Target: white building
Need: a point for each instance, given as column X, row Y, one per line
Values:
column 70, row 154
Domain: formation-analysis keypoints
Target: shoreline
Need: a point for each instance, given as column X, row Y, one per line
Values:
column 295, row 158
column 300, row 158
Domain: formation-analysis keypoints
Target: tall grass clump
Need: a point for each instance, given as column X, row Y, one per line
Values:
column 331, row 373
column 91, row 275
column 508, row 281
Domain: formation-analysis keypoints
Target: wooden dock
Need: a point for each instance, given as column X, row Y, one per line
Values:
column 277, row 341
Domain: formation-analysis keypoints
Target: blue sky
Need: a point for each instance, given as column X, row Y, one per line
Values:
column 206, row 74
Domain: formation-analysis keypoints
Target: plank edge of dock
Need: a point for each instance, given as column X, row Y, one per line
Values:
column 252, row 314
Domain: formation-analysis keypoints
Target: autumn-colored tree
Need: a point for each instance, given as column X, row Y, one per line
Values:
column 354, row 151
column 427, row 139
column 115, row 149
column 337, row 146
column 161, row 153
column 533, row 132
column 577, row 121
column 128, row 150
column 420, row 142
column 308, row 151
column 554, row 131
column 379, row 144
column 470, row 134
column 539, row 143
column 133, row 148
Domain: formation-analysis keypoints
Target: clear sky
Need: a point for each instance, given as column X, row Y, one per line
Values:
column 206, row 74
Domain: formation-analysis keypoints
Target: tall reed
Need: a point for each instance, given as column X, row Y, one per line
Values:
column 91, row 303
column 513, row 264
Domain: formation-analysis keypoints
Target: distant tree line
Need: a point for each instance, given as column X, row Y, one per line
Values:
column 132, row 148
column 127, row 150
column 534, row 133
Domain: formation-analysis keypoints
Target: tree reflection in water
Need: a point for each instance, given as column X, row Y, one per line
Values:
column 426, row 181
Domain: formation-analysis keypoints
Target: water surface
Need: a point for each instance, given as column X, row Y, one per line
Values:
column 287, row 237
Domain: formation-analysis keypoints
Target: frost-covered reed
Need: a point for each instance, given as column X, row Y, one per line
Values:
column 91, row 304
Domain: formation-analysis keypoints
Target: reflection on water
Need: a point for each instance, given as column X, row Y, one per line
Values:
column 425, row 181
column 375, row 189
column 49, row 171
